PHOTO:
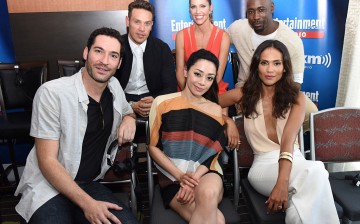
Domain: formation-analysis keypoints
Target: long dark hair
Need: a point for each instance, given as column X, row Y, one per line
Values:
column 212, row 93
column 286, row 91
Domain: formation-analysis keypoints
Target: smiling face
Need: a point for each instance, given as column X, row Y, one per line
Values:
column 200, row 11
column 103, row 58
column 259, row 14
column 200, row 77
column 271, row 66
column 140, row 24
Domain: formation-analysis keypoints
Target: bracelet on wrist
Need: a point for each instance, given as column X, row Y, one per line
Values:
column 286, row 157
column 286, row 154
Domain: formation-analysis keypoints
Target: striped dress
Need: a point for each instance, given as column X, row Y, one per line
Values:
column 188, row 136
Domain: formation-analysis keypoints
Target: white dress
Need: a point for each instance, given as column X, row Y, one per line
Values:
column 310, row 197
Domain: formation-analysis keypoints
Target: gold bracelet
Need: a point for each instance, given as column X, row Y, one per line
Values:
column 286, row 157
column 286, row 154
column 281, row 156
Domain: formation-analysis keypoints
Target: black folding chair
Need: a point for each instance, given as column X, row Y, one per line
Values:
column 18, row 85
column 69, row 67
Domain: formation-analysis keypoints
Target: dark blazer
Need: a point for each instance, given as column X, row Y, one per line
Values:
column 159, row 67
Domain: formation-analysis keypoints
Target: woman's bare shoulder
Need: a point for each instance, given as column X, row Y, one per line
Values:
column 213, row 109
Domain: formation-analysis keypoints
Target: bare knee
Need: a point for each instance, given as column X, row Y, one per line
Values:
column 208, row 195
column 220, row 218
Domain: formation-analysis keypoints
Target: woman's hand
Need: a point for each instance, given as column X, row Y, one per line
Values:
column 232, row 134
column 278, row 199
column 189, row 179
column 186, row 195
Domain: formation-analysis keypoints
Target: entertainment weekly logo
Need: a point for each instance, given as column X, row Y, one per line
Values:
column 176, row 25
column 313, row 96
column 306, row 28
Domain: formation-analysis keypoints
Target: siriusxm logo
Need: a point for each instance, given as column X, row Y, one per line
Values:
column 318, row 60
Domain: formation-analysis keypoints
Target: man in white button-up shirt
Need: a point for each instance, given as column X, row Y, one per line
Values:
column 147, row 69
column 74, row 120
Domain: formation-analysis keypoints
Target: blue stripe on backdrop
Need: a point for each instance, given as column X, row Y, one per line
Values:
column 6, row 45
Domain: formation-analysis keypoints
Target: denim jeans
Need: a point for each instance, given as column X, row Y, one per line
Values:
column 60, row 210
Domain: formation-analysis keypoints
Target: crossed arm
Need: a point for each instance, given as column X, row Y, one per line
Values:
column 188, row 181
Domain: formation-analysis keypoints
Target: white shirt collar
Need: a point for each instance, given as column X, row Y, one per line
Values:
column 133, row 44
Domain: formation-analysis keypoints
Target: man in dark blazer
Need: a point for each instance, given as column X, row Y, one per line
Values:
column 147, row 69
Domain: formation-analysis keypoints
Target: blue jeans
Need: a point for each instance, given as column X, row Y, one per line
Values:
column 60, row 210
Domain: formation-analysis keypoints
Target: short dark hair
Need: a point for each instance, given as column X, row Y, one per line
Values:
column 106, row 32
column 141, row 4
column 202, row 54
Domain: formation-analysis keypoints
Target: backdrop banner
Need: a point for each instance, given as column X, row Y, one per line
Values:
column 320, row 24
column 6, row 45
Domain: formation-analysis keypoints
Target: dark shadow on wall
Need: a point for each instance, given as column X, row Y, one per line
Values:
column 58, row 35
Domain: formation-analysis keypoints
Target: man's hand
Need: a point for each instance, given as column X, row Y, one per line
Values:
column 142, row 107
column 126, row 131
column 98, row 212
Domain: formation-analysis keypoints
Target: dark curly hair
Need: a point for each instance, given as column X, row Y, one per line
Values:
column 106, row 32
column 286, row 91
column 211, row 94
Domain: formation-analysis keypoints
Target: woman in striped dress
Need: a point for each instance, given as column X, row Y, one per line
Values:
column 186, row 139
